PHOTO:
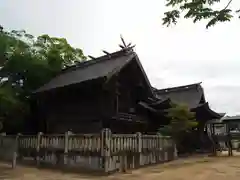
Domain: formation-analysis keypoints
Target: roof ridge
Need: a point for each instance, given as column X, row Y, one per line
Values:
column 103, row 58
column 177, row 88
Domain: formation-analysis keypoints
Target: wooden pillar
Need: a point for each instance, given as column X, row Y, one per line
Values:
column 214, row 139
column 229, row 140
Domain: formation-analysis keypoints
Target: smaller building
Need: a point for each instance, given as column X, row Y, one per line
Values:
column 193, row 96
column 233, row 122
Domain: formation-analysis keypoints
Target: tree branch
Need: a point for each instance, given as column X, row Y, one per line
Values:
column 228, row 4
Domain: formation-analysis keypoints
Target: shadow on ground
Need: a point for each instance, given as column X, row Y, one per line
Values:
column 31, row 172
column 5, row 172
column 200, row 167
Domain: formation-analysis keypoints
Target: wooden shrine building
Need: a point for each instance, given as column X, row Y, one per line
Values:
column 193, row 96
column 111, row 91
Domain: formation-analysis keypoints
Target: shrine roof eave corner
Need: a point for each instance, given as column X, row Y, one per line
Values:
column 206, row 109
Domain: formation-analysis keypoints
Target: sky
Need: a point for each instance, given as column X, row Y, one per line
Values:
column 178, row 55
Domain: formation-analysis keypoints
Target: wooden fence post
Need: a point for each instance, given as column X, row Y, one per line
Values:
column 66, row 144
column 20, row 155
column 139, row 147
column 105, row 148
column 38, row 147
column 163, row 148
column 166, row 142
column 15, row 153
column 175, row 152
column 1, row 138
column 159, row 136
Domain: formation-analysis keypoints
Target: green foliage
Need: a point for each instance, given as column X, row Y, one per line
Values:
column 181, row 120
column 26, row 63
column 198, row 10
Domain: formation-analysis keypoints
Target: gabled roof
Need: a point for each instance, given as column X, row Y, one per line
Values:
column 102, row 67
column 190, row 95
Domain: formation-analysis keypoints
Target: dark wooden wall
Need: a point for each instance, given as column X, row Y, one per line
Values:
column 132, row 87
column 90, row 106
column 75, row 126
column 75, row 108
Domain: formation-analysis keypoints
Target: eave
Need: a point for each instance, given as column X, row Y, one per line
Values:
column 206, row 111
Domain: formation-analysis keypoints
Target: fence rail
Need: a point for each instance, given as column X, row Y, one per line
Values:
column 105, row 151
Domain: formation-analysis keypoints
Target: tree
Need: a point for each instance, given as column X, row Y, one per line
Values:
column 26, row 63
column 182, row 120
column 198, row 10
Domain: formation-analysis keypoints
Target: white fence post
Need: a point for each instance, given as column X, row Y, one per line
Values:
column 20, row 156
column 66, row 144
column 175, row 151
column 38, row 147
column 15, row 153
column 105, row 148
column 139, row 147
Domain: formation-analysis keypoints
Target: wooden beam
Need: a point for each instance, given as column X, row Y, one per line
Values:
column 91, row 57
column 105, row 52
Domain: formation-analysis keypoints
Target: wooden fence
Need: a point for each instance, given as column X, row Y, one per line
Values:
column 105, row 152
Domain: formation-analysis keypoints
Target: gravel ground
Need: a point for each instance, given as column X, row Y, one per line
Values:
column 197, row 168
